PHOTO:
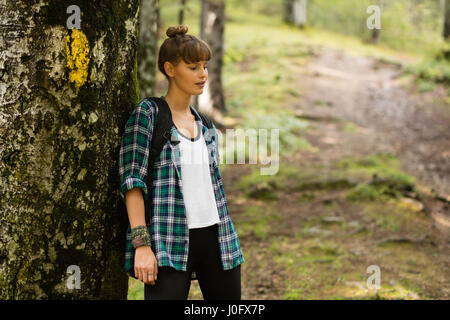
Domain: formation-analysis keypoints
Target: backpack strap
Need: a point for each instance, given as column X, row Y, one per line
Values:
column 160, row 135
column 206, row 121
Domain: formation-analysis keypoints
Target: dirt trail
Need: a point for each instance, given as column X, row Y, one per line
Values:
column 413, row 126
column 370, row 94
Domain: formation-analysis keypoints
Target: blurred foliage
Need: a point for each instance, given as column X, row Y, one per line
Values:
column 434, row 68
column 412, row 25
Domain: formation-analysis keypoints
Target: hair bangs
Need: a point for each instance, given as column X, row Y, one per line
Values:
column 195, row 51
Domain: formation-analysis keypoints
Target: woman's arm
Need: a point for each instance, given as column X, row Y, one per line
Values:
column 135, row 207
column 134, row 152
column 145, row 261
column 134, row 149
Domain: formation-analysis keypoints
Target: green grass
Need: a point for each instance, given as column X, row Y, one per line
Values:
column 326, row 267
column 434, row 68
column 384, row 165
column 390, row 178
column 257, row 221
column 135, row 289
column 313, row 265
column 350, row 127
column 257, row 186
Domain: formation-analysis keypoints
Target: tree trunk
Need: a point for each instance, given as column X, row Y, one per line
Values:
column 148, row 42
column 446, row 32
column 295, row 12
column 181, row 12
column 375, row 34
column 212, row 23
column 65, row 96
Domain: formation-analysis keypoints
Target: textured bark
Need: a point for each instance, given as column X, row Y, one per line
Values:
column 148, row 42
column 212, row 24
column 65, row 96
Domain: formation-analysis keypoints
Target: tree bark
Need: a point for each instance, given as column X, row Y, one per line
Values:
column 446, row 32
column 295, row 12
column 148, row 42
column 65, row 96
column 212, row 24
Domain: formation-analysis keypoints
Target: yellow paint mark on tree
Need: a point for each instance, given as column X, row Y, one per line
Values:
column 77, row 50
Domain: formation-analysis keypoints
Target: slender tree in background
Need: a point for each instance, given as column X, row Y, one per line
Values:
column 148, row 42
column 65, row 96
column 375, row 36
column 181, row 13
column 295, row 12
column 212, row 24
column 446, row 32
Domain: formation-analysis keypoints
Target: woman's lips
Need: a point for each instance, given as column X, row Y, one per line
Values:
column 200, row 84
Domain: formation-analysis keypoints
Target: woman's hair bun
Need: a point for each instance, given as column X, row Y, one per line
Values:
column 173, row 31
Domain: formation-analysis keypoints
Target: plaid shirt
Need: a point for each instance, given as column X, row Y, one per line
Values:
column 169, row 229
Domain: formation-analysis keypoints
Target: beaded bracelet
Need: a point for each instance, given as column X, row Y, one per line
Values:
column 139, row 231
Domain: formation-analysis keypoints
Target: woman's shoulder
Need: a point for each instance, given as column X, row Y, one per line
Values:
column 147, row 105
column 145, row 110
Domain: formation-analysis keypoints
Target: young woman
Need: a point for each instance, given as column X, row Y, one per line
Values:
column 191, row 235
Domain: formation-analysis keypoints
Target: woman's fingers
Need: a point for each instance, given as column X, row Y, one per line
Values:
column 146, row 272
column 139, row 274
column 151, row 276
column 155, row 268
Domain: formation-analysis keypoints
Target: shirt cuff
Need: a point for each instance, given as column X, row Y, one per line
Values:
column 133, row 182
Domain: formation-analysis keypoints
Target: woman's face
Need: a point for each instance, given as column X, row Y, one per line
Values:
column 187, row 76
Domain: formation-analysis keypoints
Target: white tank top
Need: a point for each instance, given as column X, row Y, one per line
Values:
column 198, row 193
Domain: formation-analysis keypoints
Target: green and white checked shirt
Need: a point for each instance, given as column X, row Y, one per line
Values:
column 169, row 228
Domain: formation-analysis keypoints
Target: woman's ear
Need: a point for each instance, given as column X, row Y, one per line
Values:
column 168, row 67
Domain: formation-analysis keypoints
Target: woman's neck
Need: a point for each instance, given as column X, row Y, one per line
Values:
column 178, row 103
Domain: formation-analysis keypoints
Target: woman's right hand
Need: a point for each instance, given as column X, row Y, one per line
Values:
column 145, row 263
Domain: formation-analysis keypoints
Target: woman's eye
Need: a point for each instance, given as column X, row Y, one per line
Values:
column 193, row 68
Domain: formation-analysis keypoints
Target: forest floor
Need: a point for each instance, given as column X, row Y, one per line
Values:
column 373, row 190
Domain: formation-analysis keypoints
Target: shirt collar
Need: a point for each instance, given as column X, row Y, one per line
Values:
column 207, row 134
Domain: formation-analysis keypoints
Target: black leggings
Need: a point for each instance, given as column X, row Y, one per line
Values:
column 204, row 257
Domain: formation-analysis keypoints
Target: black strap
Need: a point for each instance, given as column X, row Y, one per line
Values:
column 160, row 136
column 205, row 120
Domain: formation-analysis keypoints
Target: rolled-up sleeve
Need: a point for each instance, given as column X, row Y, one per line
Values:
column 134, row 149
